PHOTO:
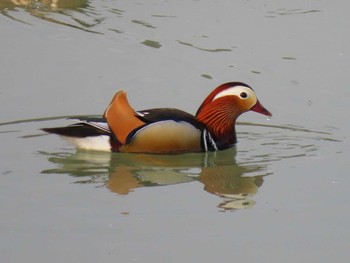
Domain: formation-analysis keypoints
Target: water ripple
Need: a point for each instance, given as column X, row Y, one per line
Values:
column 77, row 14
column 234, row 175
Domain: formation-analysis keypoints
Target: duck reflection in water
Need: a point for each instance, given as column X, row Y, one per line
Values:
column 124, row 173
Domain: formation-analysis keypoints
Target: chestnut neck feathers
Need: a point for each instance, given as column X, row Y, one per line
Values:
column 220, row 117
column 221, row 108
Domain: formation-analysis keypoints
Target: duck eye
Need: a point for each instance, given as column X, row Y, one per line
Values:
column 243, row 95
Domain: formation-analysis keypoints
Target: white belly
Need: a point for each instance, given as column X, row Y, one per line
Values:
column 97, row 143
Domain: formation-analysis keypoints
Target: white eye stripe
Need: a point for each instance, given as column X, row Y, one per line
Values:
column 235, row 91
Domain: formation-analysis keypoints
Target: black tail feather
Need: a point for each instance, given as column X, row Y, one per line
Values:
column 80, row 130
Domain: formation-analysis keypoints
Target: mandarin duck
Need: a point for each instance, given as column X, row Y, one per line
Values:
column 166, row 130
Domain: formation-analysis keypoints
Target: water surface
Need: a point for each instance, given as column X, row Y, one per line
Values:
column 279, row 196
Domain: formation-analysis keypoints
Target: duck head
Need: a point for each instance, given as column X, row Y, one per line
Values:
column 221, row 108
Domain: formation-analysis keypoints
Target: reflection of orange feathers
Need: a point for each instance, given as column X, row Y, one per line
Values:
column 121, row 117
column 122, row 181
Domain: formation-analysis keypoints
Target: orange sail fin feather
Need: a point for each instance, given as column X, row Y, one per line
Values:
column 121, row 118
column 166, row 130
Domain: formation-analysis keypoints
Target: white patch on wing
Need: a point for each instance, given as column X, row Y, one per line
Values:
column 97, row 143
column 142, row 113
column 99, row 125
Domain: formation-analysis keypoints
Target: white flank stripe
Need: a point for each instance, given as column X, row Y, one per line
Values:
column 205, row 140
column 212, row 142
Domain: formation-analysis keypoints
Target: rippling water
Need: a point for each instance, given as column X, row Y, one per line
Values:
column 235, row 179
column 279, row 196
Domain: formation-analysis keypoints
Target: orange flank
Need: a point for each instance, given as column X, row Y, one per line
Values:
column 164, row 135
